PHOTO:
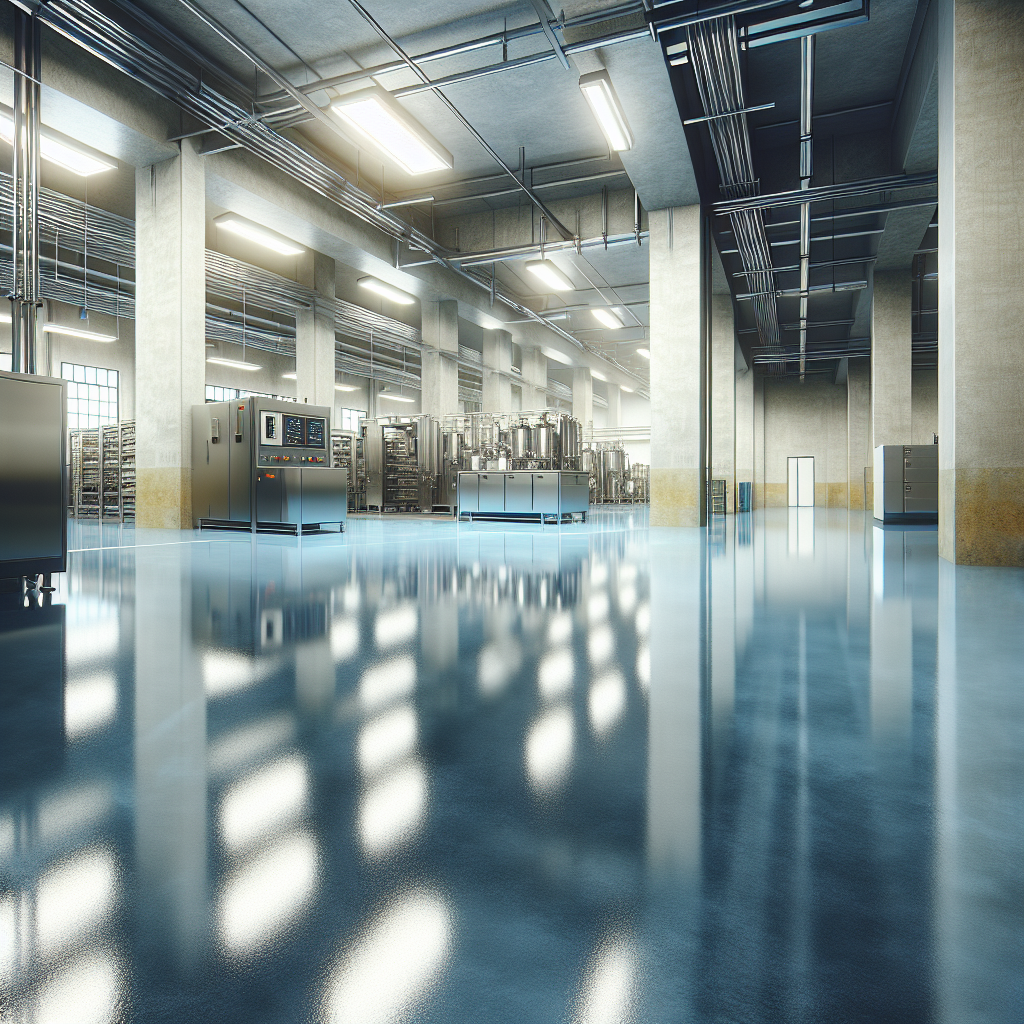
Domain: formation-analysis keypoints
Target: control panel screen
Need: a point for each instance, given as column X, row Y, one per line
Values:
column 294, row 432
column 314, row 432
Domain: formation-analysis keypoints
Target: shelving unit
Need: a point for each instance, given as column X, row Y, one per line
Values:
column 347, row 454
column 401, row 471
column 102, row 484
column 716, row 498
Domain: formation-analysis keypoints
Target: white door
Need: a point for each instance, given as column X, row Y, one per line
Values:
column 801, row 481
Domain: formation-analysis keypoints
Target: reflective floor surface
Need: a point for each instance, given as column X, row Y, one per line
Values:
column 771, row 771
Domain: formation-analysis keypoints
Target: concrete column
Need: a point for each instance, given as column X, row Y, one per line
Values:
column 440, row 369
column 891, row 407
column 744, row 423
column 314, row 334
column 858, row 435
column 760, row 459
column 170, row 333
column 676, row 415
column 614, row 415
column 497, row 393
column 535, row 379
column 723, row 396
column 583, row 396
column 981, row 282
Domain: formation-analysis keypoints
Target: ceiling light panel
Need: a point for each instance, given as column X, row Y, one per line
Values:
column 376, row 116
column 549, row 275
column 606, row 318
column 77, row 332
column 60, row 150
column 395, row 398
column 258, row 234
column 599, row 93
column 345, row 387
column 387, row 291
column 235, row 364
column 645, row 352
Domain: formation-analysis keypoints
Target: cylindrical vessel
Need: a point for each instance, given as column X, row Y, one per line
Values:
column 520, row 442
column 542, row 437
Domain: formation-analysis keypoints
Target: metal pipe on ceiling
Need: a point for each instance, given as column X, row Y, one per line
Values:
column 806, row 172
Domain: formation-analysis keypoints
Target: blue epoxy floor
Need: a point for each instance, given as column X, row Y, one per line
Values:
column 427, row 771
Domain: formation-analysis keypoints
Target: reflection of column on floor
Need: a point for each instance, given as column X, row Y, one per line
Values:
column 314, row 674
column 170, row 755
column 439, row 640
column 674, row 709
column 723, row 642
column 892, row 642
column 744, row 422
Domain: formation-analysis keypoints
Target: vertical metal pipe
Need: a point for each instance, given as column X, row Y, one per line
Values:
column 806, row 172
column 25, row 242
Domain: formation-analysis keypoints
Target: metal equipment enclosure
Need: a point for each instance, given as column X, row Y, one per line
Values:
column 33, row 475
column 906, row 483
column 265, row 464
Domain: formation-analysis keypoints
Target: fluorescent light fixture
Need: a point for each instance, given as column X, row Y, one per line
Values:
column 378, row 117
column 288, row 376
column 260, row 235
column 345, row 387
column 5, row 318
column 597, row 375
column 387, row 291
column 607, row 318
column 628, row 390
column 77, row 332
column 558, row 357
column 395, row 397
column 235, row 364
column 550, row 275
column 599, row 93
column 645, row 352
column 60, row 150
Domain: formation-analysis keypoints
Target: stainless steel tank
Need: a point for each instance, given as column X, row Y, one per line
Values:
column 543, row 436
column 613, row 466
column 569, row 442
column 520, row 442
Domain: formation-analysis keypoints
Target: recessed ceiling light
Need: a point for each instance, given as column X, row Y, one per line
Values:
column 77, row 332
column 235, row 364
column 806, row 3
column 628, row 390
column 645, row 352
column 60, row 150
column 607, row 318
column 345, row 387
column 372, row 284
column 550, row 275
column 5, row 318
column 377, row 116
column 599, row 93
column 260, row 235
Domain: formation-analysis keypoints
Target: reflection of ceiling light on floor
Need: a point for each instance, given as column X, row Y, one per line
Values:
column 549, row 747
column 263, row 801
column 646, row 353
column 605, row 702
column 391, row 812
column 84, row 988
column 73, row 897
column 600, row 645
column 555, row 674
column 395, row 961
column 496, row 665
column 560, row 628
column 610, row 983
column 395, row 626
column 89, row 704
column 643, row 666
column 344, row 638
column 267, row 893
column 386, row 682
column 387, row 739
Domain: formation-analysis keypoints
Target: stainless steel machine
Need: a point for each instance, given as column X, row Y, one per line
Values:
column 907, row 483
column 547, row 496
column 265, row 464
column 33, row 475
column 403, row 463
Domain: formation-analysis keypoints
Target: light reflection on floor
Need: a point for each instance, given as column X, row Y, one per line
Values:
column 424, row 770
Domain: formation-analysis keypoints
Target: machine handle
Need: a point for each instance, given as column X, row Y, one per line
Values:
column 238, row 425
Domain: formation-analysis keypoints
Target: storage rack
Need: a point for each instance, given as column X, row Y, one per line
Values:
column 347, row 454
column 103, row 472
column 716, row 497
column 401, row 471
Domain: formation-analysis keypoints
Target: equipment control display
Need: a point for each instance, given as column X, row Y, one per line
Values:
column 314, row 433
column 294, row 432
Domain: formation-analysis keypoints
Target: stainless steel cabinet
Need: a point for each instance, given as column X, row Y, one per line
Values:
column 519, row 492
column 492, row 493
column 545, row 493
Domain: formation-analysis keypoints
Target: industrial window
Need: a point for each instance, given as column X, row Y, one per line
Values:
column 92, row 395
column 351, row 418
column 215, row 394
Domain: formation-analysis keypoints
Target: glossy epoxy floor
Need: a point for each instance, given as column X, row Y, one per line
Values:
column 428, row 771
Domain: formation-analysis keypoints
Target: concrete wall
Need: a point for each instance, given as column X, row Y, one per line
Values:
column 925, row 406
column 806, row 418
